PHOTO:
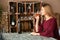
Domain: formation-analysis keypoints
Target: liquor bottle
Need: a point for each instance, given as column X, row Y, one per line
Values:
column 12, row 7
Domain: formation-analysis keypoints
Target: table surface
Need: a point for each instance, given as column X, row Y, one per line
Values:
column 23, row 36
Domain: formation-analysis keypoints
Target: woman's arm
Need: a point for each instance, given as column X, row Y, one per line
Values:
column 49, row 28
column 37, row 21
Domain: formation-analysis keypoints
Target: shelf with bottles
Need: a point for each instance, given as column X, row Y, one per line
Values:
column 23, row 11
column 24, row 7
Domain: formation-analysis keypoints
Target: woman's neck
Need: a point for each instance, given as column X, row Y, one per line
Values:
column 47, row 17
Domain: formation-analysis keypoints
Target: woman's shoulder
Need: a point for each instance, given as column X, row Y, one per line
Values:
column 51, row 19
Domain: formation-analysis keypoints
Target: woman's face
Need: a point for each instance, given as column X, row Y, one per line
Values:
column 43, row 11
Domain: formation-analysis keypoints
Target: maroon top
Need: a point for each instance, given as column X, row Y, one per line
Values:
column 49, row 28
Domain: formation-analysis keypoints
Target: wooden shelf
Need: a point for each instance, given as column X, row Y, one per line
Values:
column 26, row 9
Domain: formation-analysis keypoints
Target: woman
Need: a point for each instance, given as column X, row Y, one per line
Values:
column 49, row 26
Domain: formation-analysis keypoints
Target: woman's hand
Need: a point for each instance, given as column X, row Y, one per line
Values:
column 37, row 17
column 34, row 33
